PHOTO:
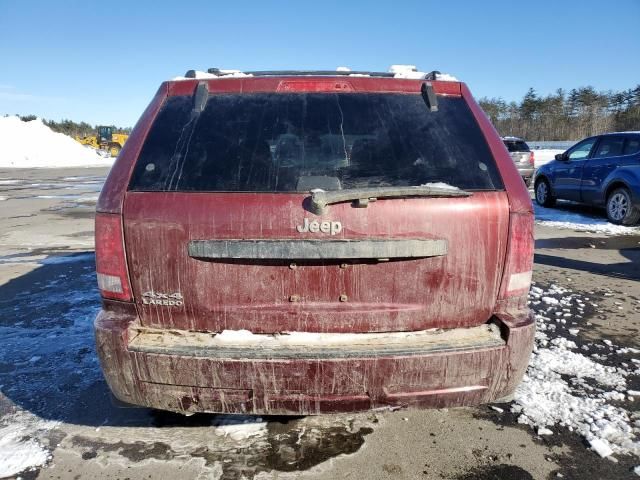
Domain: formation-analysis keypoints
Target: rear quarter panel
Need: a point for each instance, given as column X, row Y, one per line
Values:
column 112, row 194
column 629, row 175
column 519, row 199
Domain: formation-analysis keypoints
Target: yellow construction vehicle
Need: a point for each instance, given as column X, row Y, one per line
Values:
column 105, row 140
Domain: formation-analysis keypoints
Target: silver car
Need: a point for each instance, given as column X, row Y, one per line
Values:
column 522, row 157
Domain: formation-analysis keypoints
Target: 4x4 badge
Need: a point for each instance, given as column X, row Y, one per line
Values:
column 164, row 299
column 332, row 228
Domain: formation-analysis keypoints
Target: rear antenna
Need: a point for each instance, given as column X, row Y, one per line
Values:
column 429, row 96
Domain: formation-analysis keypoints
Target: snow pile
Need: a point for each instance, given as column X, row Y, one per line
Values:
column 545, row 155
column 563, row 386
column 18, row 450
column 34, row 145
column 557, row 218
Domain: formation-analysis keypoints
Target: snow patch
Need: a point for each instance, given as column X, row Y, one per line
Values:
column 445, row 77
column 600, row 447
column 543, row 156
column 199, row 75
column 19, row 451
column 563, row 386
column 558, row 218
column 240, row 428
column 440, row 185
column 34, row 145
column 412, row 72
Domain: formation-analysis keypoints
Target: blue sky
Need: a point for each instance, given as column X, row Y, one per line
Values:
column 102, row 61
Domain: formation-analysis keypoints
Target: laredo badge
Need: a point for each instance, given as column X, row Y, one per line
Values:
column 163, row 299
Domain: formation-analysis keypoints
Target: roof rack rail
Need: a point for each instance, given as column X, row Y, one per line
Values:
column 273, row 73
column 433, row 75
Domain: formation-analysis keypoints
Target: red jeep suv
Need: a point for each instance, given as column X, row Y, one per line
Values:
column 307, row 242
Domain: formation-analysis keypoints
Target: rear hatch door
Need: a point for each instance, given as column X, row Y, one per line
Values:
column 221, row 231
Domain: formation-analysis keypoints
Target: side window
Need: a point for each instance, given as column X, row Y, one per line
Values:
column 581, row 151
column 632, row 146
column 609, row 147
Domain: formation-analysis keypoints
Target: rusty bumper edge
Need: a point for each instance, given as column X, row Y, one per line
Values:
column 190, row 384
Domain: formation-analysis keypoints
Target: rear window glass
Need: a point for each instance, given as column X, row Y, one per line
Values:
column 516, row 146
column 275, row 142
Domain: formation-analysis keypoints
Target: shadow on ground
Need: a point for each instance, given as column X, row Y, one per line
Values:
column 596, row 213
column 48, row 363
column 48, row 367
column 628, row 246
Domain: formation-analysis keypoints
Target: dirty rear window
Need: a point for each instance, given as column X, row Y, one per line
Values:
column 275, row 142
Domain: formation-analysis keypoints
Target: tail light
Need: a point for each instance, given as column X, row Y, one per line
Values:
column 516, row 279
column 532, row 159
column 315, row 85
column 111, row 265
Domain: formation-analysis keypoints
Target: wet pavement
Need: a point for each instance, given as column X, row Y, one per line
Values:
column 54, row 401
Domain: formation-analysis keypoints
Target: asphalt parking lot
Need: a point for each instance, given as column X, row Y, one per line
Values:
column 54, row 401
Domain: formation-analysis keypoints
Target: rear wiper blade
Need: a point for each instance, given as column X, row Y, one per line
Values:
column 362, row 196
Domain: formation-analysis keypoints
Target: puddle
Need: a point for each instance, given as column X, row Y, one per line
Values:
column 284, row 445
column 49, row 368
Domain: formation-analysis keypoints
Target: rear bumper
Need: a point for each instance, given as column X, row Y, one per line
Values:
column 526, row 173
column 186, row 377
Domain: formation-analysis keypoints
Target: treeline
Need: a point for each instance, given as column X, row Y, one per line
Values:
column 71, row 128
column 572, row 115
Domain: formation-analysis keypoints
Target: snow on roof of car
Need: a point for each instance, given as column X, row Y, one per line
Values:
column 395, row 71
column 411, row 71
column 515, row 139
column 199, row 75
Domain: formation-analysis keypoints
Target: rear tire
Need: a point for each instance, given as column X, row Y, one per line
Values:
column 543, row 193
column 620, row 210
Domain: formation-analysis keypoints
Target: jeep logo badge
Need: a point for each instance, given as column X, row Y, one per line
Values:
column 332, row 228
